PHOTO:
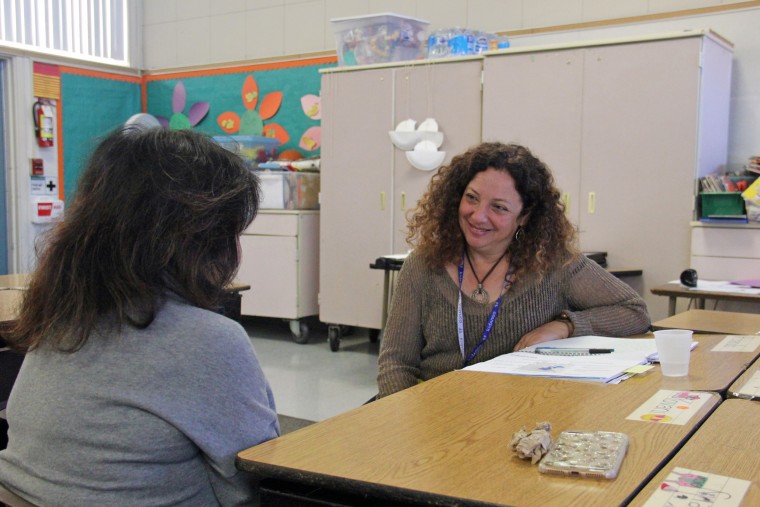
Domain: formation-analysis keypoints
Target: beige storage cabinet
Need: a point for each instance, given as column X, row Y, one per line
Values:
column 727, row 252
column 626, row 127
column 280, row 261
column 367, row 184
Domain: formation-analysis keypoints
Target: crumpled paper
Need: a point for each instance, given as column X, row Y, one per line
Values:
column 532, row 444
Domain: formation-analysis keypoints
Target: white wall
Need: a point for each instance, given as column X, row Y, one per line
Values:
column 179, row 33
column 185, row 33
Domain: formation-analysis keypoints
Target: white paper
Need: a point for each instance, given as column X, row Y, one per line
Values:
column 738, row 343
column 751, row 388
column 699, row 489
column 670, row 407
column 598, row 367
column 720, row 286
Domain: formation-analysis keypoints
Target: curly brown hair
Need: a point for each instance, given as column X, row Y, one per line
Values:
column 548, row 238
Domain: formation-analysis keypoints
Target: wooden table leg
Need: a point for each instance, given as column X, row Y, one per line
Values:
column 672, row 306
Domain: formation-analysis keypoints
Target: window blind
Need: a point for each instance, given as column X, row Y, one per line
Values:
column 86, row 29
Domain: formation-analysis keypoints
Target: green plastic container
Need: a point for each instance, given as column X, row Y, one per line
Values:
column 721, row 204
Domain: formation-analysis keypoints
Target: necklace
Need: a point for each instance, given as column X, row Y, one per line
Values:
column 480, row 295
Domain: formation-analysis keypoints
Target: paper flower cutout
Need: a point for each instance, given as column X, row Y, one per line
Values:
column 312, row 106
column 179, row 120
column 311, row 139
column 252, row 122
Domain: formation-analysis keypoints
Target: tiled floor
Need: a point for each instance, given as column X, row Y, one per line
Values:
column 310, row 381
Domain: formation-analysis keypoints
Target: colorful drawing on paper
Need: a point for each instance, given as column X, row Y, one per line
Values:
column 691, row 488
column 670, row 407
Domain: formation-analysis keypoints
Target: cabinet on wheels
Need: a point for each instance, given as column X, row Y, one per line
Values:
column 280, row 261
column 626, row 127
column 368, row 185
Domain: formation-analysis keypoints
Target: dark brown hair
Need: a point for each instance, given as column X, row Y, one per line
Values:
column 155, row 210
column 548, row 237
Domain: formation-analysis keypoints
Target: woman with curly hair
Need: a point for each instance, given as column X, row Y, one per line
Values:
column 134, row 389
column 494, row 269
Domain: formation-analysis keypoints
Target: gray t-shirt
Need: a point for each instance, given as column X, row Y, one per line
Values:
column 145, row 417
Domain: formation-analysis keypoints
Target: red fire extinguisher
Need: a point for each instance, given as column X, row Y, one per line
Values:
column 42, row 112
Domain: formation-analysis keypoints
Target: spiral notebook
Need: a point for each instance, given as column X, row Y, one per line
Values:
column 628, row 352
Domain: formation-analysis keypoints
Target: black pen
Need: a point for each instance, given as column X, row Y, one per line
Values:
column 563, row 351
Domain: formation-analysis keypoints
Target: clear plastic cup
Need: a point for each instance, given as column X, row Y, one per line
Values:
column 674, row 350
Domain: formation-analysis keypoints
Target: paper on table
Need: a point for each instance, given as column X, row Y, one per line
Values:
column 599, row 367
column 721, row 286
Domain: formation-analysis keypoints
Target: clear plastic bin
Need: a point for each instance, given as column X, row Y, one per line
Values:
column 379, row 38
column 253, row 149
column 289, row 189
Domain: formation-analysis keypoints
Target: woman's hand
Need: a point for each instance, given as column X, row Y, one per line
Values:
column 554, row 330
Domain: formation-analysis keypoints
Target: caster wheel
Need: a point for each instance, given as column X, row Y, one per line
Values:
column 333, row 336
column 300, row 331
column 374, row 334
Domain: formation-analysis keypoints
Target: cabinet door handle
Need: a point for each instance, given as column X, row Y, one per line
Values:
column 382, row 201
column 403, row 201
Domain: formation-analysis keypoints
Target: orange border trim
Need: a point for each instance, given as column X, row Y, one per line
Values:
column 59, row 131
column 101, row 74
column 242, row 68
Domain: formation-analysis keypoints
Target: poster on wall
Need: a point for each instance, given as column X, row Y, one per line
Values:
column 278, row 100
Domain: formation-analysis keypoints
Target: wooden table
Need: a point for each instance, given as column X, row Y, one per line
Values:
column 10, row 299
column 230, row 301
column 708, row 370
column 10, row 362
column 445, row 442
column 674, row 291
column 742, row 388
column 17, row 281
column 733, row 436
column 712, row 321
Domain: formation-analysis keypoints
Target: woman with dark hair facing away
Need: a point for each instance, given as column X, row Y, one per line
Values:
column 494, row 269
column 134, row 391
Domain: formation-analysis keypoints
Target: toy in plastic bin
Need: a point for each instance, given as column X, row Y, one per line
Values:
column 252, row 149
column 379, row 38
column 752, row 201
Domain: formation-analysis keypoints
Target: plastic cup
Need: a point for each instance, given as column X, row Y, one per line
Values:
column 674, row 349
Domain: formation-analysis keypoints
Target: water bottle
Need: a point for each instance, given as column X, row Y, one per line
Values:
column 457, row 42
column 481, row 42
column 438, row 44
column 470, row 38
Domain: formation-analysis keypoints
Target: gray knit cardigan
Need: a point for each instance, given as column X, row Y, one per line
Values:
column 420, row 338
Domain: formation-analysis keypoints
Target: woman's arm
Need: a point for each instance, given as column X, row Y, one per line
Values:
column 598, row 303
column 602, row 304
column 401, row 348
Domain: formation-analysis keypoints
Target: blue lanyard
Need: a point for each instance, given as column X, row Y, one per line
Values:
column 491, row 318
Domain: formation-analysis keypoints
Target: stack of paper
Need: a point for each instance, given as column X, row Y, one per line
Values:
column 628, row 352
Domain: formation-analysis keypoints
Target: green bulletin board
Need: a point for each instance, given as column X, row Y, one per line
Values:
column 92, row 106
column 95, row 103
column 223, row 91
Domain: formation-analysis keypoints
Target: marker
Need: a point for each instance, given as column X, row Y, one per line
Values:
column 562, row 351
